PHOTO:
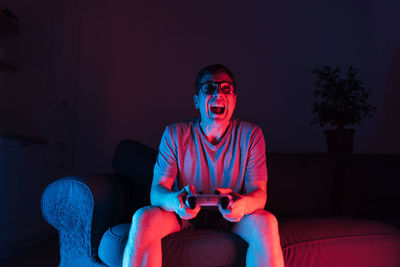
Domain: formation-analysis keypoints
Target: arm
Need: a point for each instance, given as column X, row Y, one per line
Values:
column 255, row 182
column 161, row 194
column 165, row 169
column 257, row 196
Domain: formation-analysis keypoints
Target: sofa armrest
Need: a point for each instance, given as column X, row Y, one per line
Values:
column 82, row 207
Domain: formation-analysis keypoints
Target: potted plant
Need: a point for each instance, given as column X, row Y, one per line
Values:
column 343, row 102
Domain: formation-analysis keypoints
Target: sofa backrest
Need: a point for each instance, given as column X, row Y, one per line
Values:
column 135, row 161
column 300, row 184
column 368, row 186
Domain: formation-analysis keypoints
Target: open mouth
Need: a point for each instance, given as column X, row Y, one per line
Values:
column 217, row 109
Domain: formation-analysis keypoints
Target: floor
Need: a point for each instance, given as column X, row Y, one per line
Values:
column 44, row 254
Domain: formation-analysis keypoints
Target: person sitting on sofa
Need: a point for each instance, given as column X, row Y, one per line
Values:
column 212, row 153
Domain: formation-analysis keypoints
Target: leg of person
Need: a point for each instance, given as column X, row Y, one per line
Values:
column 260, row 231
column 149, row 226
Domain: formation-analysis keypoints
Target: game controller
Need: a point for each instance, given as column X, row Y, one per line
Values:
column 222, row 200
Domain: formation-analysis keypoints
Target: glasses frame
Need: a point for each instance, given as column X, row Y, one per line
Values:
column 218, row 87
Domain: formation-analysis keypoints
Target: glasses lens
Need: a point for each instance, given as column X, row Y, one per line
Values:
column 209, row 88
column 225, row 88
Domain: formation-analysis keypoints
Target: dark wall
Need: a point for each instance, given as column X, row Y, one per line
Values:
column 133, row 64
column 45, row 54
column 138, row 62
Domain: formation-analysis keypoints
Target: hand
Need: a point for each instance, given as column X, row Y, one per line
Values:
column 234, row 212
column 182, row 209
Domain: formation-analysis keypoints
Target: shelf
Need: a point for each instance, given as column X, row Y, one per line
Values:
column 24, row 138
column 6, row 67
column 8, row 22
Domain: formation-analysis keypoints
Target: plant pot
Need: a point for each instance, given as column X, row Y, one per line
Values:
column 339, row 141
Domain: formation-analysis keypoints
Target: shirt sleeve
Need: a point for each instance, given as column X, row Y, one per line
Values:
column 256, row 160
column 166, row 163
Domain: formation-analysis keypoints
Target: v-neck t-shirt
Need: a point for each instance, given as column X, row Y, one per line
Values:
column 186, row 155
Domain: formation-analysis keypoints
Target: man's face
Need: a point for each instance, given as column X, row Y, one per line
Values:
column 217, row 107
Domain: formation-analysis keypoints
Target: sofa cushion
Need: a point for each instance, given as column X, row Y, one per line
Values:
column 196, row 247
column 336, row 241
column 300, row 184
column 112, row 244
column 368, row 186
column 330, row 241
column 204, row 247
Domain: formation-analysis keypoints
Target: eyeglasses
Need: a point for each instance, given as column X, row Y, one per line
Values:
column 210, row 87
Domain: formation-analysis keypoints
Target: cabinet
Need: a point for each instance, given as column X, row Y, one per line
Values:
column 27, row 166
column 21, row 184
column 8, row 25
column 58, row 160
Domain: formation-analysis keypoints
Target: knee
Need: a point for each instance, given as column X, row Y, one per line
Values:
column 154, row 220
column 145, row 216
column 262, row 220
column 142, row 221
column 258, row 227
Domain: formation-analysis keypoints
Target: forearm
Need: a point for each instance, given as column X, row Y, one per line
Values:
column 163, row 197
column 255, row 200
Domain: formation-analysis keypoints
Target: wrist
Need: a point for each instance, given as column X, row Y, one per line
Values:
column 252, row 202
column 168, row 201
column 245, row 202
column 164, row 198
column 174, row 200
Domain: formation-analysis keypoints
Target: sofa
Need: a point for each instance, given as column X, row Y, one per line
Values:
column 332, row 210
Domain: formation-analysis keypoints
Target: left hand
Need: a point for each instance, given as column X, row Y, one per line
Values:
column 235, row 212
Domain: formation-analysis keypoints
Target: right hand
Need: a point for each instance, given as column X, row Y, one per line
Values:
column 182, row 209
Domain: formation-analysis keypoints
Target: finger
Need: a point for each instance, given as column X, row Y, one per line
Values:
column 183, row 215
column 230, row 219
column 235, row 196
column 180, row 201
column 192, row 189
column 221, row 210
column 233, row 219
column 188, row 216
column 227, row 211
column 223, row 190
column 183, row 191
column 186, row 189
column 193, row 212
column 197, row 209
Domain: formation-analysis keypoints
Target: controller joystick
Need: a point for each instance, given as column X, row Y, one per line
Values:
column 225, row 201
column 191, row 201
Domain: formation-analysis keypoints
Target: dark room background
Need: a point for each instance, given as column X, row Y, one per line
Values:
column 92, row 73
column 126, row 69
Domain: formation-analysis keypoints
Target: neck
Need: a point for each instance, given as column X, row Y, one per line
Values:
column 214, row 131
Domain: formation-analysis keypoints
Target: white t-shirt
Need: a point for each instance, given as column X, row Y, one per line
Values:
column 185, row 153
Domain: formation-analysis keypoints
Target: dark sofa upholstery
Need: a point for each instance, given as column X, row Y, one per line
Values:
column 341, row 210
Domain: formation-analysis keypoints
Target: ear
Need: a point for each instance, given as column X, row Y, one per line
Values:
column 196, row 101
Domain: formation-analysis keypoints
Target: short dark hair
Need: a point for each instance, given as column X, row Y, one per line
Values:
column 213, row 69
